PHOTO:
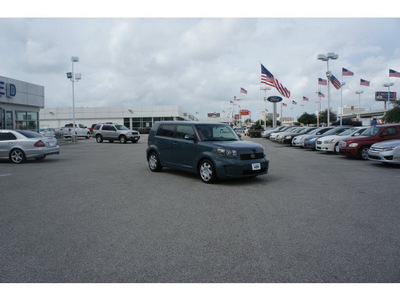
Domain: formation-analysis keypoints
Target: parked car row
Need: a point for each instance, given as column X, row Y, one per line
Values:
column 378, row 143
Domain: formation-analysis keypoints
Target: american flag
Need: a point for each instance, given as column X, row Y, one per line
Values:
column 334, row 81
column 322, row 81
column 269, row 79
column 284, row 104
column 393, row 73
column 231, row 101
column 346, row 72
column 236, row 99
column 294, row 102
column 364, row 82
column 243, row 91
column 321, row 95
column 305, row 98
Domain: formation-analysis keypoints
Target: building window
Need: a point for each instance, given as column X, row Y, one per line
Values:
column 26, row 120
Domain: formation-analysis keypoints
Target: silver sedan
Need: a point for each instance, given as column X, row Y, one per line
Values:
column 19, row 145
column 386, row 152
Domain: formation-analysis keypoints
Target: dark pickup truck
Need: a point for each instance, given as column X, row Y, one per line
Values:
column 255, row 131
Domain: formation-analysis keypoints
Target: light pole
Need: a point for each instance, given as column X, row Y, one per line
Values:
column 341, row 102
column 359, row 103
column 265, row 89
column 74, row 78
column 388, row 85
column 327, row 57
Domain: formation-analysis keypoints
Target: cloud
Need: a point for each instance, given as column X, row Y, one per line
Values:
column 199, row 64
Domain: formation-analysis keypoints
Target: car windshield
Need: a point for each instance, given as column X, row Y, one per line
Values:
column 216, row 132
column 121, row 127
column 371, row 131
column 29, row 134
column 348, row 131
column 314, row 131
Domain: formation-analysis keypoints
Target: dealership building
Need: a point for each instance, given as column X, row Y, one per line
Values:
column 133, row 117
column 20, row 103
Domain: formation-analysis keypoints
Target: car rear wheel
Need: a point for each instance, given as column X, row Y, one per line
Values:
column 363, row 153
column 154, row 162
column 207, row 171
column 17, row 156
column 122, row 139
column 99, row 138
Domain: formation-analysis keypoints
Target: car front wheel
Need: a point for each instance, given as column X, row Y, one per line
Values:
column 207, row 171
column 363, row 153
column 122, row 139
column 99, row 139
column 154, row 162
column 17, row 156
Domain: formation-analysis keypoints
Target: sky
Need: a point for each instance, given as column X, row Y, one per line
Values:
column 199, row 63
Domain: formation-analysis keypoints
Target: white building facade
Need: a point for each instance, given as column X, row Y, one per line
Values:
column 20, row 103
column 133, row 117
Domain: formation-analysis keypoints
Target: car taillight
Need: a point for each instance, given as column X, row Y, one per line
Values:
column 39, row 143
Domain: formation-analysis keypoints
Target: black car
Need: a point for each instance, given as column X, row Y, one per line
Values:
column 288, row 138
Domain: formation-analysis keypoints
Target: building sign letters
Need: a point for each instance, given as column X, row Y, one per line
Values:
column 7, row 89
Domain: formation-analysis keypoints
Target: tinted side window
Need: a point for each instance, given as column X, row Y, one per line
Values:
column 167, row 130
column 390, row 131
column 108, row 127
column 7, row 136
column 182, row 130
column 97, row 127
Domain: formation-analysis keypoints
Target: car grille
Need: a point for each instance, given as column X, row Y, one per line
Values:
column 376, row 149
column 319, row 142
column 374, row 157
column 248, row 156
column 134, row 133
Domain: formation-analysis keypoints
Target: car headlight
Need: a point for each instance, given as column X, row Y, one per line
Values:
column 227, row 152
column 353, row 145
column 288, row 137
column 388, row 149
column 329, row 141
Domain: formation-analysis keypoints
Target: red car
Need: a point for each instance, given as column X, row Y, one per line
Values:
column 358, row 146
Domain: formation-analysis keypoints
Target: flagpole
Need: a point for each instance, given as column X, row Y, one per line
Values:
column 341, row 100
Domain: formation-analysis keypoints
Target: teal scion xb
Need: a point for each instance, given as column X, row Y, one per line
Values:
column 212, row 150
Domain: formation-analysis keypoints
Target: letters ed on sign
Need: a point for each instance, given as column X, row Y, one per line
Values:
column 7, row 89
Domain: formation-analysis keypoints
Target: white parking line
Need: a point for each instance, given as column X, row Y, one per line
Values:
column 4, row 175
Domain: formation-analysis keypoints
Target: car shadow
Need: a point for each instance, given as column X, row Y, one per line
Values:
column 245, row 181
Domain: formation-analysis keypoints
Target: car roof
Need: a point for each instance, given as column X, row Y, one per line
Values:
column 191, row 123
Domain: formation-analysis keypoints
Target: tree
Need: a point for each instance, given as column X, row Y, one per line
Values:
column 307, row 119
column 393, row 115
column 323, row 116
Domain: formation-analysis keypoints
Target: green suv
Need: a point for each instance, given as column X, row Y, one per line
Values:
column 212, row 150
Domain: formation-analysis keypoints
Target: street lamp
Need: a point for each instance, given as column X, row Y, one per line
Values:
column 388, row 85
column 74, row 78
column 326, row 58
column 359, row 103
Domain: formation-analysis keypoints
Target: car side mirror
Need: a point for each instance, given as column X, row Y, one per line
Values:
column 189, row 137
column 383, row 134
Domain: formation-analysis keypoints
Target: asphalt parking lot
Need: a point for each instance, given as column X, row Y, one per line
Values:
column 96, row 213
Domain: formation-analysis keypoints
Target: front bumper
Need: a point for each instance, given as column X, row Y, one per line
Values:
column 309, row 144
column 237, row 168
column 325, row 147
column 348, row 151
column 391, row 157
column 134, row 138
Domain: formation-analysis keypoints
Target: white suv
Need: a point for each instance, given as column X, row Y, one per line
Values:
column 114, row 132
